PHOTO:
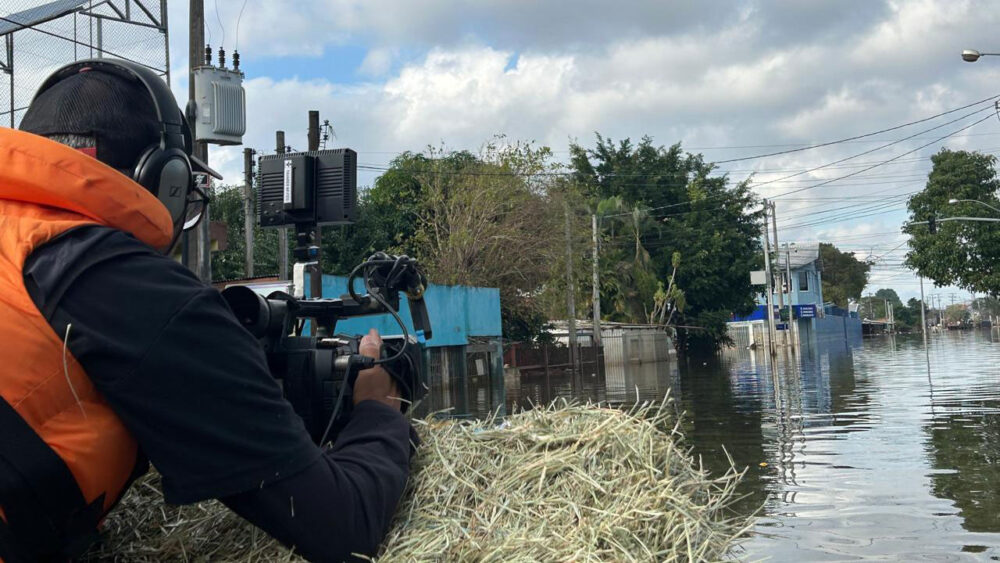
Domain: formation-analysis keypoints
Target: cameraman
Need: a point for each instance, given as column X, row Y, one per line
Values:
column 112, row 353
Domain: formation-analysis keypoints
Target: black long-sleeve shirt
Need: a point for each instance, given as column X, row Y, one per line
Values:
column 193, row 387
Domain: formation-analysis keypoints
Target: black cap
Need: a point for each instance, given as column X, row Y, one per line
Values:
column 118, row 113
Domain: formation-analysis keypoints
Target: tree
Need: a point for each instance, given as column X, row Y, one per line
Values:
column 227, row 207
column 488, row 219
column 987, row 306
column 957, row 313
column 961, row 253
column 387, row 217
column 844, row 276
column 905, row 318
column 673, row 203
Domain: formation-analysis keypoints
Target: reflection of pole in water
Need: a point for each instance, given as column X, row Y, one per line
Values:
column 923, row 313
column 785, row 421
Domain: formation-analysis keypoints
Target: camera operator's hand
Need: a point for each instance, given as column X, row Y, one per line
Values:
column 375, row 383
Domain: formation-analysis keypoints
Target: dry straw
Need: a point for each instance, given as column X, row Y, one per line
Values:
column 563, row 483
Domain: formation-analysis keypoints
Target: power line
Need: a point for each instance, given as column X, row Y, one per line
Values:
column 939, row 139
column 848, row 217
column 222, row 42
column 238, row 20
column 984, row 100
column 876, row 149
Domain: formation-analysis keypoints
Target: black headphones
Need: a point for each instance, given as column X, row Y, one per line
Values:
column 165, row 167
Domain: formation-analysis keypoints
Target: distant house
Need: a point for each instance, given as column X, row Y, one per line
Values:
column 812, row 318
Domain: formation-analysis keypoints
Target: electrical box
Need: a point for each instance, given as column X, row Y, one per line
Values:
column 318, row 187
column 219, row 115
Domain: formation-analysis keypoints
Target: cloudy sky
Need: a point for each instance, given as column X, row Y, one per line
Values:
column 727, row 79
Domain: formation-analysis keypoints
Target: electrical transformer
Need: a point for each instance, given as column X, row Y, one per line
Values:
column 220, row 113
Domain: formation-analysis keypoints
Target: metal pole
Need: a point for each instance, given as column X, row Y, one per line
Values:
column 770, row 298
column 279, row 141
column 597, row 289
column 166, row 37
column 791, row 321
column 780, row 292
column 570, row 292
column 100, row 38
column 196, row 47
column 248, row 209
column 10, row 68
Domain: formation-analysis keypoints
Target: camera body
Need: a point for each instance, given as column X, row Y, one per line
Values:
column 316, row 367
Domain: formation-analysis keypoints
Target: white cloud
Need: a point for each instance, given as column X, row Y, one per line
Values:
column 758, row 75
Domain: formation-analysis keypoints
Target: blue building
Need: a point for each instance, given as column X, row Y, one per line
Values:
column 812, row 319
column 464, row 359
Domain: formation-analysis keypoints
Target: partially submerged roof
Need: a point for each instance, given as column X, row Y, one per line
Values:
column 39, row 14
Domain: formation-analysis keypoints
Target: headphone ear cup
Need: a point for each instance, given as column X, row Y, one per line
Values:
column 166, row 173
column 141, row 173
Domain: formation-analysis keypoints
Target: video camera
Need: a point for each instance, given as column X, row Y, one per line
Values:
column 316, row 367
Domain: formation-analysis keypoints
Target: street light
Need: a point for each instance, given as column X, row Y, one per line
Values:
column 954, row 201
column 972, row 55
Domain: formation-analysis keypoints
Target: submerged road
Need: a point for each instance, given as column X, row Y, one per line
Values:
column 878, row 450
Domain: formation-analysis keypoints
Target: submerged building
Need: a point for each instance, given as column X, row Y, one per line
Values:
column 806, row 319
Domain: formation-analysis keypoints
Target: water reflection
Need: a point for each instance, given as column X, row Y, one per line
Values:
column 877, row 450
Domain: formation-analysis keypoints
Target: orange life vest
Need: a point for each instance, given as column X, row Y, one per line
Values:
column 47, row 189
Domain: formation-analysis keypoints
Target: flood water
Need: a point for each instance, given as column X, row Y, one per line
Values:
column 878, row 450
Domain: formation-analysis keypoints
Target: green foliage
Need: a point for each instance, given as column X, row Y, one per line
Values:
column 962, row 253
column 987, row 306
column 472, row 219
column 658, row 202
column 387, row 218
column 907, row 316
column 227, row 207
column 957, row 314
column 844, row 276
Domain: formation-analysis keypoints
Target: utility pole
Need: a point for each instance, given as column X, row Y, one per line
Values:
column 771, row 330
column 570, row 293
column 279, row 141
column 313, row 134
column 201, row 261
column 923, row 312
column 871, row 315
column 597, row 287
column 791, row 318
column 316, row 275
column 780, row 292
column 248, row 208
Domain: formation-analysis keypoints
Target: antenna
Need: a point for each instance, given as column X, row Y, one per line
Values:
column 327, row 132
